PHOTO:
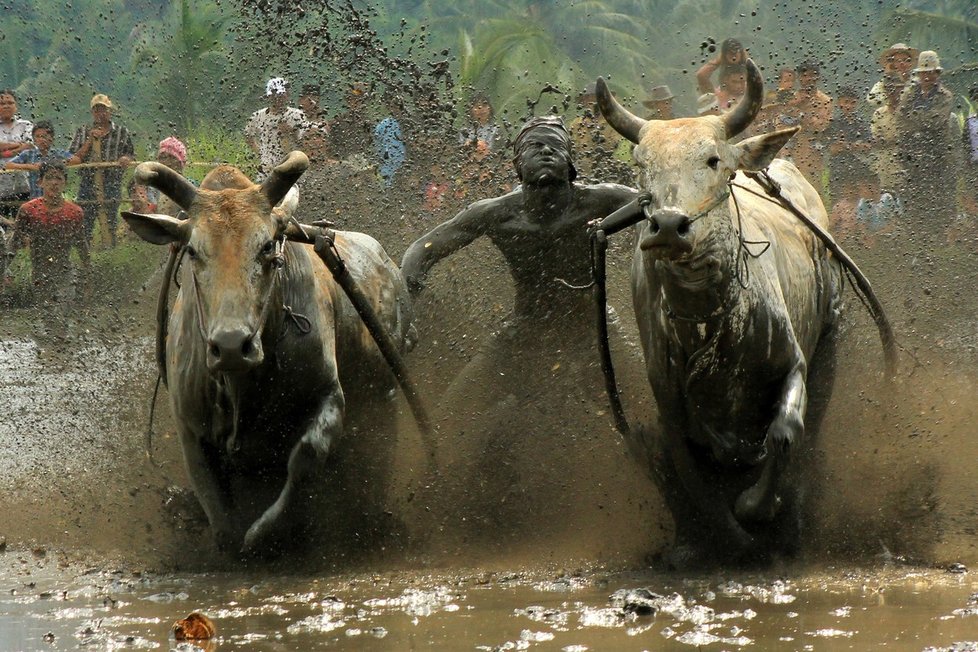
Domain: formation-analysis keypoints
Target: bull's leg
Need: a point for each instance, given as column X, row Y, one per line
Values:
column 762, row 500
column 203, row 469
column 706, row 499
column 307, row 460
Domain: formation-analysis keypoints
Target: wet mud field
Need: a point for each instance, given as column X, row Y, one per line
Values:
column 513, row 541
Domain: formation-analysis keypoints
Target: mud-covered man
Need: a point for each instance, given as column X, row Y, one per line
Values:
column 540, row 229
column 535, row 384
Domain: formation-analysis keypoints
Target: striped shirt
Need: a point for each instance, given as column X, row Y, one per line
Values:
column 103, row 183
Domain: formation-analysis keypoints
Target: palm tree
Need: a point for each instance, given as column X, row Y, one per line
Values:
column 181, row 63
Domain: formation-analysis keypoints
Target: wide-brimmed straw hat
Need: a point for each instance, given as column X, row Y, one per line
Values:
column 928, row 62
column 899, row 48
column 657, row 94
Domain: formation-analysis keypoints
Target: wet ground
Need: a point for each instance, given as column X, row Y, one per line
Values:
column 46, row 604
column 105, row 550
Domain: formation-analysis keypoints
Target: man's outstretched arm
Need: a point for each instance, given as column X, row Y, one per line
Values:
column 444, row 240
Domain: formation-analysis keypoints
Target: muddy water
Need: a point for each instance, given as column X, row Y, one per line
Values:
column 44, row 606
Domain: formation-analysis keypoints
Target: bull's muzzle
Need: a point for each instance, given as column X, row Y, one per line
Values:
column 234, row 350
column 669, row 234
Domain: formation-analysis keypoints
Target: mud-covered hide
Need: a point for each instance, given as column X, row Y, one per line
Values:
column 265, row 354
column 734, row 297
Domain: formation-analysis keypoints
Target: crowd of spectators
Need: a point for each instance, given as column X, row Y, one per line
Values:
column 894, row 153
column 886, row 158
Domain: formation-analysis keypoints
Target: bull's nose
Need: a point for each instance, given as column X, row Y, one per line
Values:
column 233, row 349
column 669, row 233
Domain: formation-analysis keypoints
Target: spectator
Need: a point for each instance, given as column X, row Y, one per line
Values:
column 31, row 159
column 925, row 131
column 810, row 108
column 273, row 132
column 482, row 126
column 851, row 178
column 51, row 225
column 659, row 102
column 390, row 150
column 351, row 132
column 732, row 53
column 309, row 103
column 785, row 90
column 896, row 61
column 733, row 86
column 99, row 193
column 173, row 154
column 15, row 137
column 970, row 137
column 139, row 197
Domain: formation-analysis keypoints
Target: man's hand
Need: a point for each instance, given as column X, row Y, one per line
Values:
column 125, row 161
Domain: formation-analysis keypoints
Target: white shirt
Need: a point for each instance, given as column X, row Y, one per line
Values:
column 263, row 128
column 19, row 131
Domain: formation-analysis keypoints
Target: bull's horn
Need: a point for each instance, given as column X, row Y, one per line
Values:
column 621, row 119
column 170, row 182
column 283, row 176
column 746, row 110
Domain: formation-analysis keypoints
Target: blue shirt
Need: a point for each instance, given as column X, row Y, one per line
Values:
column 389, row 148
column 31, row 156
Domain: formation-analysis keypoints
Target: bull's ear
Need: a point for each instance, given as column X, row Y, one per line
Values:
column 158, row 229
column 757, row 153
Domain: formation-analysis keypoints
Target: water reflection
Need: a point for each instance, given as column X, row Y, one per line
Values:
column 904, row 609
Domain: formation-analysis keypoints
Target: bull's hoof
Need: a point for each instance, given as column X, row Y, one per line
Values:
column 265, row 539
column 755, row 505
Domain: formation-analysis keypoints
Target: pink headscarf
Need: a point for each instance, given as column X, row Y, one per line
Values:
column 174, row 148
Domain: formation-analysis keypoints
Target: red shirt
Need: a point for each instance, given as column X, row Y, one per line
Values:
column 52, row 234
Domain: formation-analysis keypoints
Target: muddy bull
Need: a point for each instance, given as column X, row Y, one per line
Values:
column 734, row 297
column 263, row 348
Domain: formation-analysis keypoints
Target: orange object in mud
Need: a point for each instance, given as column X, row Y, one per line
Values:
column 195, row 627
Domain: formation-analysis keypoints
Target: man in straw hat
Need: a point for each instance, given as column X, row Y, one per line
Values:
column 101, row 144
column 896, row 62
column 925, row 128
column 659, row 102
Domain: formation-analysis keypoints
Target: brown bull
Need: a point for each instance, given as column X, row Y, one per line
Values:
column 733, row 297
column 263, row 347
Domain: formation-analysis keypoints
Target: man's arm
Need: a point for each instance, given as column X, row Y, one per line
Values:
column 127, row 152
column 704, row 81
column 445, row 239
column 19, row 162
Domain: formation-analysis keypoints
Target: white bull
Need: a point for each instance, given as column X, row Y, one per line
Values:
column 733, row 295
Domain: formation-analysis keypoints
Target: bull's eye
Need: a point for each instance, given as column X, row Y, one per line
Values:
column 713, row 162
column 191, row 252
column 268, row 248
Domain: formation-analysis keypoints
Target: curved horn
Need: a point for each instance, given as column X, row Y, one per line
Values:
column 746, row 110
column 621, row 119
column 283, row 176
column 170, row 182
